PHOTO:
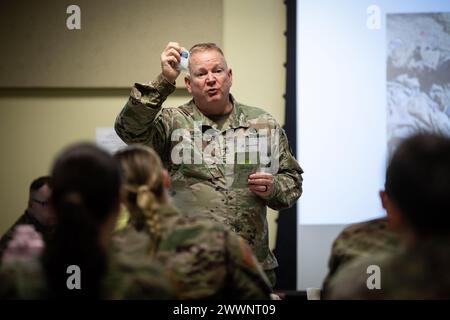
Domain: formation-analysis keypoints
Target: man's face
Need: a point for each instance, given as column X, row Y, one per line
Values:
column 209, row 81
column 39, row 206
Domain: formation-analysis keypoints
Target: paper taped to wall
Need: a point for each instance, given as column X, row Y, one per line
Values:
column 108, row 139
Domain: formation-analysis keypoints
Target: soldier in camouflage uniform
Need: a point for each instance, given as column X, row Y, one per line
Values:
column 37, row 214
column 235, row 193
column 416, row 201
column 360, row 240
column 203, row 259
column 86, row 186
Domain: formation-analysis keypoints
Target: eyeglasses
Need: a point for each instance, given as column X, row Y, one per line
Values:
column 42, row 203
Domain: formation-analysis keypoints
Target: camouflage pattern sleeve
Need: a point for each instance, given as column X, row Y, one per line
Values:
column 348, row 283
column 140, row 120
column 360, row 240
column 137, row 278
column 20, row 282
column 352, row 280
column 334, row 261
column 247, row 276
column 288, row 180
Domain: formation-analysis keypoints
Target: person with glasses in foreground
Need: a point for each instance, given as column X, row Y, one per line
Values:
column 37, row 213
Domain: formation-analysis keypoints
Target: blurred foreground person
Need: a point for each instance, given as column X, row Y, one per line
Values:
column 360, row 240
column 203, row 259
column 416, row 198
column 77, row 262
column 37, row 213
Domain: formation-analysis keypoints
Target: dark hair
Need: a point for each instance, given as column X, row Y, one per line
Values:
column 85, row 192
column 418, row 181
column 39, row 183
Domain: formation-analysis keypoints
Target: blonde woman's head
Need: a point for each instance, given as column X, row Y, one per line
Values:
column 145, row 182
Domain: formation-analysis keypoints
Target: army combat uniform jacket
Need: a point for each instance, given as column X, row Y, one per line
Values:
column 216, row 190
column 202, row 258
column 361, row 240
column 418, row 271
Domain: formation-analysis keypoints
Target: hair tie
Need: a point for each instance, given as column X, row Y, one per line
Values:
column 145, row 197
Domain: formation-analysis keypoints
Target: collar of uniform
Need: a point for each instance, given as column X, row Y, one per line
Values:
column 198, row 116
column 237, row 117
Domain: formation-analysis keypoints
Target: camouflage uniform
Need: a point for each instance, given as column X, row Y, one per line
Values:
column 419, row 271
column 213, row 190
column 128, row 277
column 202, row 258
column 358, row 241
column 26, row 218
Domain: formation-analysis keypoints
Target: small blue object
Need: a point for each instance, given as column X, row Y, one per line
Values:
column 184, row 61
column 184, row 54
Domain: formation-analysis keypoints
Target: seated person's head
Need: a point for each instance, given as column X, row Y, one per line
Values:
column 145, row 181
column 38, row 199
column 417, row 189
column 85, row 198
column 85, row 188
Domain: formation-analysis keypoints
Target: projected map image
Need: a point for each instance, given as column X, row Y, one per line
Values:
column 418, row 75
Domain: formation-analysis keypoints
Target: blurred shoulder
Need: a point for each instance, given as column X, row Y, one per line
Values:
column 22, row 280
column 357, row 278
column 255, row 113
column 137, row 277
column 366, row 237
column 193, row 230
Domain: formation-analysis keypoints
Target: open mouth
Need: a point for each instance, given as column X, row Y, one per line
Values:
column 212, row 92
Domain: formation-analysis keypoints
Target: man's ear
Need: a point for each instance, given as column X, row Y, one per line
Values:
column 187, row 82
column 383, row 198
column 230, row 75
column 166, row 179
column 395, row 218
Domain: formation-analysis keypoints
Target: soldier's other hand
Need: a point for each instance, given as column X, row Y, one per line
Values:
column 170, row 58
column 261, row 183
